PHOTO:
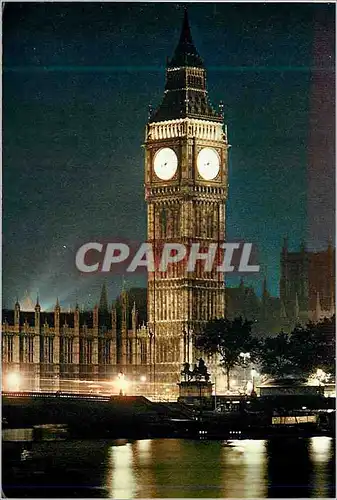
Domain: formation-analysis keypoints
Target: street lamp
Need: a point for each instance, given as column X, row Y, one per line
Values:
column 13, row 381
column 249, row 388
column 245, row 356
column 254, row 374
column 122, row 384
column 318, row 378
column 321, row 376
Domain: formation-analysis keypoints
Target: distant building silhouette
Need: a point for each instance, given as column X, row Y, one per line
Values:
column 263, row 311
column 307, row 284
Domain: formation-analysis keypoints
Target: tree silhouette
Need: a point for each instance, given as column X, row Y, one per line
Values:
column 302, row 352
column 275, row 356
column 313, row 347
column 227, row 338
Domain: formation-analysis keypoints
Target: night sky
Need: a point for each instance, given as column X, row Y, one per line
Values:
column 77, row 82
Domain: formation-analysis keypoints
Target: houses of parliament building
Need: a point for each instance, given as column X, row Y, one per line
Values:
column 61, row 350
column 150, row 335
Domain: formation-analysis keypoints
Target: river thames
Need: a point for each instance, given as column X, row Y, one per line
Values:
column 175, row 468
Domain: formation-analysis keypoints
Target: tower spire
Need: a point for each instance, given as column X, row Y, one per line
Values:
column 265, row 293
column 185, row 89
column 283, row 314
column 186, row 54
column 103, row 301
column 285, row 245
column 185, row 35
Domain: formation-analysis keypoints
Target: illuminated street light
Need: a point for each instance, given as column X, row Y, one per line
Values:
column 245, row 356
column 321, row 375
column 13, row 381
column 122, row 384
column 143, row 378
column 249, row 387
column 318, row 378
column 254, row 374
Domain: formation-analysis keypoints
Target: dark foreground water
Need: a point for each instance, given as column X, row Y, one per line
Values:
column 172, row 468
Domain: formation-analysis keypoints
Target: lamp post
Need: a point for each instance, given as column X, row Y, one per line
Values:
column 245, row 356
column 122, row 383
column 200, row 399
column 254, row 374
column 215, row 402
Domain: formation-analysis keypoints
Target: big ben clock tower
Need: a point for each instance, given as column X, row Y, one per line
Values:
column 185, row 190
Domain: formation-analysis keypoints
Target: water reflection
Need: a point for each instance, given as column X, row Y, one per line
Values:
column 321, row 454
column 195, row 472
column 292, row 468
column 320, row 449
column 143, row 468
column 122, row 480
column 173, row 468
column 187, row 469
column 244, row 469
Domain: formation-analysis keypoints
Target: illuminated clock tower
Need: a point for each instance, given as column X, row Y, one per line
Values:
column 185, row 190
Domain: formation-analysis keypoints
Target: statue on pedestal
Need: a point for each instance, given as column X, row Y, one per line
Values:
column 195, row 386
column 198, row 373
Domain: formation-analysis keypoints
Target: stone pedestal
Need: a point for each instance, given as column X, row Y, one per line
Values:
column 195, row 392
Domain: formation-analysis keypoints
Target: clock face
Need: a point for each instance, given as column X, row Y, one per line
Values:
column 208, row 163
column 165, row 164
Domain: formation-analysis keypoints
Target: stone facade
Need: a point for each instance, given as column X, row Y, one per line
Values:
column 184, row 209
column 59, row 351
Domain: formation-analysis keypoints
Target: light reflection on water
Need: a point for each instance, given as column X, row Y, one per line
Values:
column 173, row 468
column 320, row 450
column 244, row 469
column 123, row 483
column 213, row 469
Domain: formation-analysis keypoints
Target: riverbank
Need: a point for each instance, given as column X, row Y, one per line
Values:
column 138, row 418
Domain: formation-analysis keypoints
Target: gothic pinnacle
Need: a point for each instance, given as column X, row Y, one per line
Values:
column 103, row 302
